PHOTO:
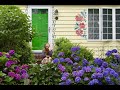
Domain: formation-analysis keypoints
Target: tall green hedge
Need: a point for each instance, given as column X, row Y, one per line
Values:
column 15, row 31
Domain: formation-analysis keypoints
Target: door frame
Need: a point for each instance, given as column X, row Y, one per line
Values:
column 49, row 7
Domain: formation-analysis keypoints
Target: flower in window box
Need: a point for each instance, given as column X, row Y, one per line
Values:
column 79, row 18
column 79, row 32
column 82, row 25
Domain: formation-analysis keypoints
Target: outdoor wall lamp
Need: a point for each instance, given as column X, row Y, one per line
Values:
column 56, row 14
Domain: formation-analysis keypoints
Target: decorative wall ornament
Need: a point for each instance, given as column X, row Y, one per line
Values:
column 81, row 26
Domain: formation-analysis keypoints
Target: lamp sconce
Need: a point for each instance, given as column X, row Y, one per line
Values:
column 56, row 14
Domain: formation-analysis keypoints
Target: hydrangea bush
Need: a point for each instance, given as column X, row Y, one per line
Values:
column 12, row 72
column 79, row 71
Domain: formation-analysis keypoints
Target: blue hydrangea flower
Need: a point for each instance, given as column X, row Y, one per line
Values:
column 98, row 70
column 116, row 75
column 105, row 64
column 74, row 73
column 61, row 54
column 93, row 82
column 77, row 79
column 77, row 58
column 80, row 73
column 68, row 82
column 67, row 59
column 70, row 62
column 98, row 61
column 74, row 49
column 62, row 60
column 114, row 51
column 94, row 75
column 108, row 79
column 56, row 60
column 109, row 53
column 65, row 74
column 105, row 73
column 85, row 62
column 117, row 56
column 108, row 69
column 92, row 66
column 73, row 55
column 79, row 67
column 87, row 69
column 99, row 75
column 63, row 78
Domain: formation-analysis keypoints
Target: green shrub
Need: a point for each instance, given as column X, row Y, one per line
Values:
column 46, row 74
column 64, row 45
column 15, row 31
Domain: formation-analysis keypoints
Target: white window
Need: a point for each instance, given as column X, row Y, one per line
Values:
column 103, row 24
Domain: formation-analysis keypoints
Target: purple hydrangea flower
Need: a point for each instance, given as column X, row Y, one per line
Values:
column 11, row 52
column 24, row 76
column 25, row 66
column 105, row 73
column 99, row 75
column 94, row 81
column 17, row 76
column 9, row 63
column 62, row 68
column 1, row 54
column 109, row 53
column 68, row 82
column 63, row 78
column 8, row 56
column 17, row 69
column 98, row 61
column 79, row 67
column 114, row 51
column 105, row 64
column 75, row 64
column 77, row 79
column 67, row 59
column 87, row 69
column 70, row 62
column 108, row 79
column 108, row 69
column 117, row 56
column 94, row 75
column 59, row 65
column 86, row 79
column 66, row 74
column 112, row 72
column 11, row 74
column 62, row 60
column 74, row 49
column 116, row 75
column 85, row 62
column 61, row 54
column 80, row 73
column 92, row 66
column 56, row 60
column 23, row 71
column 98, row 70
column 74, row 73
column 77, row 58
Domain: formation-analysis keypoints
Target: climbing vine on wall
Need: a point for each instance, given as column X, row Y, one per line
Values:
column 80, row 26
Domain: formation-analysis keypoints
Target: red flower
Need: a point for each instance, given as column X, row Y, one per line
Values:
column 79, row 32
column 82, row 25
column 79, row 18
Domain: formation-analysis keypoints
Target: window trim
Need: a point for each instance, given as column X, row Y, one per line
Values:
column 101, row 26
column 30, row 7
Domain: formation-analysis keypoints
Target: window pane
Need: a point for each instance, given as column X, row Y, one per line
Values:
column 117, row 17
column 90, row 24
column 90, row 30
column 109, row 24
column 104, row 36
column 96, row 30
column 96, row 36
column 90, row 11
column 90, row 36
column 117, row 24
column 104, row 30
column 117, row 36
column 117, row 30
column 104, row 11
column 104, row 17
column 109, row 36
column 117, row 11
column 109, row 17
column 109, row 30
column 90, row 17
column 104, row 24
column 96, row 17
column 109, row 11
column 96, row 24
column 96, row 11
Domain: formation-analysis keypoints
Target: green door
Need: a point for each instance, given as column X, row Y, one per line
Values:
column 40, row 24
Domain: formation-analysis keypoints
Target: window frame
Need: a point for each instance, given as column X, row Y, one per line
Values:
column 101, row 25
